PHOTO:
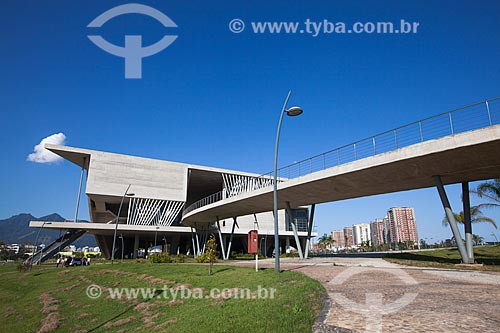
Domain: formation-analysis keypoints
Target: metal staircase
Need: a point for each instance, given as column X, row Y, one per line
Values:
column 56, row 246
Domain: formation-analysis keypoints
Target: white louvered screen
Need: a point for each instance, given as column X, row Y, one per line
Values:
column 143, row 211
column 237, row 184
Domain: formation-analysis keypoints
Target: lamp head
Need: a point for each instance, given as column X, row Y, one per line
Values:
column 294, row 111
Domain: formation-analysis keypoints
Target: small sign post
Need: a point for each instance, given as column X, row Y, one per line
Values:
column 253, row 246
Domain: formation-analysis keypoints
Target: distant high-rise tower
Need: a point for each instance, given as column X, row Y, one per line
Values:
column 377, row 230
column 348, row 236
column 402, row 225
column 338, row 237
column 361, row 233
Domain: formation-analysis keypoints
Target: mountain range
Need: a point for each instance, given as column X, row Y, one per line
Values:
column 16, row 230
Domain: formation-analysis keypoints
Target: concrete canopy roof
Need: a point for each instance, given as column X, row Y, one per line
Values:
column 76, row 156
column 109, row 174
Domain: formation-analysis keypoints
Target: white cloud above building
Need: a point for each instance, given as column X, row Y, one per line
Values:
column 42, row 155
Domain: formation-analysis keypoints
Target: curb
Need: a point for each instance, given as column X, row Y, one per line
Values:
column 320, row 325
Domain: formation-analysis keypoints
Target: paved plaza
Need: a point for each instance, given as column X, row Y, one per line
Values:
column 372, row 295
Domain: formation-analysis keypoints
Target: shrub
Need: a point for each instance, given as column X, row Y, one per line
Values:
column 23, row 267
column 160, row 258
column 204, row 258
column 289, row 255
column 181, row 258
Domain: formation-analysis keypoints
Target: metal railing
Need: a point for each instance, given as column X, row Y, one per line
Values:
column 464, row 119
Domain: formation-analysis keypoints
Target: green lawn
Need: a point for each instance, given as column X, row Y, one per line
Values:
column 55, row 299
column 487, row 255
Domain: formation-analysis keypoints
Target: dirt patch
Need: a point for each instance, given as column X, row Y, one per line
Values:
column 149, row 321
column 176, row 302
column 155, row 280
column 71, row 287
column 82, row 315
column 49, row 304
column 142, row 307
column 165, row 324
column 10, row 312
column 115, row 271
column 51, row 321
column 182, row 286
column 89, row 281
column 120, row 322
column 146, row 313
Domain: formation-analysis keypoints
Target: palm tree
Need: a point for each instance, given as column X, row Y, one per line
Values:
column 477, row 239
column 476, row 216
column 490, row 191
column 325, row 242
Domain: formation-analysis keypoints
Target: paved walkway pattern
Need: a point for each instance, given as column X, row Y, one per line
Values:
column 372, row 295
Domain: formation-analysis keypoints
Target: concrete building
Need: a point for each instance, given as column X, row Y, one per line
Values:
column 154, row 194
column 338, row 237
column 361, row 233
column 402, row 225
column 348, row 237
column 377, row 231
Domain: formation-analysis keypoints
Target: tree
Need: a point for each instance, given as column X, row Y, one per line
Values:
column 211, row 252
column 477, row 239
column 476, row 216
column 489, row 191
column 365, row 245
column 325, row 242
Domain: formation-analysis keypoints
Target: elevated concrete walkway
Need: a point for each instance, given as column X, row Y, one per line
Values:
column 468, row 156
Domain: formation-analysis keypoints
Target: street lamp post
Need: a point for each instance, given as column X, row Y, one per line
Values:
column 293, row 111
column 496, row 239
column 36, row 242
column 117, row 220
column 156, row 235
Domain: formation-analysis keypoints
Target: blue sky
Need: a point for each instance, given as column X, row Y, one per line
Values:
column 213, row 97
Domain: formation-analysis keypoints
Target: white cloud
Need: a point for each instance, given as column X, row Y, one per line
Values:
column 42, row 155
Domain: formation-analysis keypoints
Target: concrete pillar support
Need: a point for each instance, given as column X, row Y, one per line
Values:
column 136, row 246
column 451, row 219
column 295, row 233
column 309, row 231
column 231, row 239
column 222, row 247
column 467, row 222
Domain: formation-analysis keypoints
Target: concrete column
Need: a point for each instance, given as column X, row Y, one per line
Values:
column 309, row 231
column 287, row 242
column 228, row 255
column 467, row 222
column 222, row 245
column 136, row 246
column 79, row 190
column 195, row 254
column 297, row 240
column 174, row 245
column 294, row 229
column 451, row 219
